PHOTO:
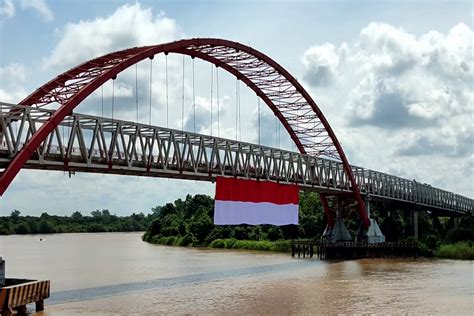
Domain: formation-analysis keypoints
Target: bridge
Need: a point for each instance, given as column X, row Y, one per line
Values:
column 111, row 146
column 103, row 145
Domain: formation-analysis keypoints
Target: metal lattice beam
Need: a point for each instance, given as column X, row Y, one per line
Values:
column 294, row 107
column 102, row 145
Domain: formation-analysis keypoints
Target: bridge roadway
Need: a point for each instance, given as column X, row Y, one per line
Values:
column 85, row 143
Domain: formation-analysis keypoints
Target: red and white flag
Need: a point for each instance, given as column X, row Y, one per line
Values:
column 240, row 201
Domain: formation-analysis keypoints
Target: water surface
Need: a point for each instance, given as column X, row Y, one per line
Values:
column 117, row 273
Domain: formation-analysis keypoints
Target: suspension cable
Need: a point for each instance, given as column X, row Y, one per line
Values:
column 240, row 119
column 212, row 84
column 277, row 125
column 151, row 84
column 194, row 102
column 113, row 99
column 217, row 91
column 258, row 110
column 276, row 131
column 113, row 106
column 102, row 89
column 236, row 108
column 167, row 98
column 279, row 133
column 297, row 127
column 64, row 132
column 136, row 88
column 182, row 103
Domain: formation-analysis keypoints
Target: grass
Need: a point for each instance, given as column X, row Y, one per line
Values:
column 231, row 243
column 265, row 245
column 460, row 250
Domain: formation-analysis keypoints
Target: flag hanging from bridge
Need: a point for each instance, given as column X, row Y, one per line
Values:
column 240, row 201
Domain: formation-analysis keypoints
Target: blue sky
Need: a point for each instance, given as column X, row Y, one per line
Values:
column 385, row 73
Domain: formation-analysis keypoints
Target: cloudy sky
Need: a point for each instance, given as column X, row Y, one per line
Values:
column 395, row 80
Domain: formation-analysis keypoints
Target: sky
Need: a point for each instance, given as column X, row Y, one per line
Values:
column 395, row 80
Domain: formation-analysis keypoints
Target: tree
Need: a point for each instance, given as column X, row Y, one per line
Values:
column 77, row 216
column 15, row 214
column 22, row 229
column 96, row 213
column 47, row 227
column 201, row 227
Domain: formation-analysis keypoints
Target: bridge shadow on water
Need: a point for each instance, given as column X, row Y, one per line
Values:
column 68, row 296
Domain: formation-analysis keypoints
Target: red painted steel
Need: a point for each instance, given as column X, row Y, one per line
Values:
column 293, row 106
column 327, row 210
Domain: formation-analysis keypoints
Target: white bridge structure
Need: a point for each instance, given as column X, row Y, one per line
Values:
column 85, row 143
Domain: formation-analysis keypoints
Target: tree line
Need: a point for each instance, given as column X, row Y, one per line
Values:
column 190, row 222
column 97, row 221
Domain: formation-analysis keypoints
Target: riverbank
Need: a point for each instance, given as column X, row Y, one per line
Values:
column 460, row 250
column 229, row 243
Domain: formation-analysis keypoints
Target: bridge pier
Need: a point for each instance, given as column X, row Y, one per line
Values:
column 373, row 234
column 415, row 224
column 456, row 221
column 339, row 231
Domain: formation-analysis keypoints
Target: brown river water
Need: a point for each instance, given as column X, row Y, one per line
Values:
column 118, row 274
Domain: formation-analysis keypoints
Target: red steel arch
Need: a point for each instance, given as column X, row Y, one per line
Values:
column 293, row 106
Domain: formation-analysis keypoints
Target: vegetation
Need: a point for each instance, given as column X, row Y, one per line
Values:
column 459, row 250
column 189, row 223
column 232, row 243
column 98, row 221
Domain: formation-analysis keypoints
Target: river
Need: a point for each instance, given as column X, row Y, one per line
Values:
column 117, row 273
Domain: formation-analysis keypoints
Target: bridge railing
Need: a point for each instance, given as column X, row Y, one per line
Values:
column 84, row 142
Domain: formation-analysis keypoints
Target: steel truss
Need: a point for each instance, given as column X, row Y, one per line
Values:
column 283, row 94
column 102, row 145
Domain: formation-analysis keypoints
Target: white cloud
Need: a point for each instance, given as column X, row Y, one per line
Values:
column 399, row 99
column 321, row 63
column 7, row 9
column 128, row 26
column 12, row 79
column 39, row 6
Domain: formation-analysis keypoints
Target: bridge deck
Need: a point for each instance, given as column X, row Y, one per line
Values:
column 103, row 145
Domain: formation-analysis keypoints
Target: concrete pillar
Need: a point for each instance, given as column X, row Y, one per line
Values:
column 2, row 273
column 373, row 234
column 415, row 224
column 456, row 222
column 339, row 231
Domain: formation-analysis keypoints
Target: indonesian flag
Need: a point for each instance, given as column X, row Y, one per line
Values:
column 240, row 201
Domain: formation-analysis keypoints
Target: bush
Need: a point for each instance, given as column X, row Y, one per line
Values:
column 431, row 241
column 217, row 243
column 229, row 243
column 425, row 251
column 460, row 250
column 262, row 245
column 281, row 245
column 184, row 241
column 171, row 240
column 154, row 239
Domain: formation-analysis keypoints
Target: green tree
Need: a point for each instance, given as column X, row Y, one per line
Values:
column 15, row 214
column 22, row 228
column 76, row 216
